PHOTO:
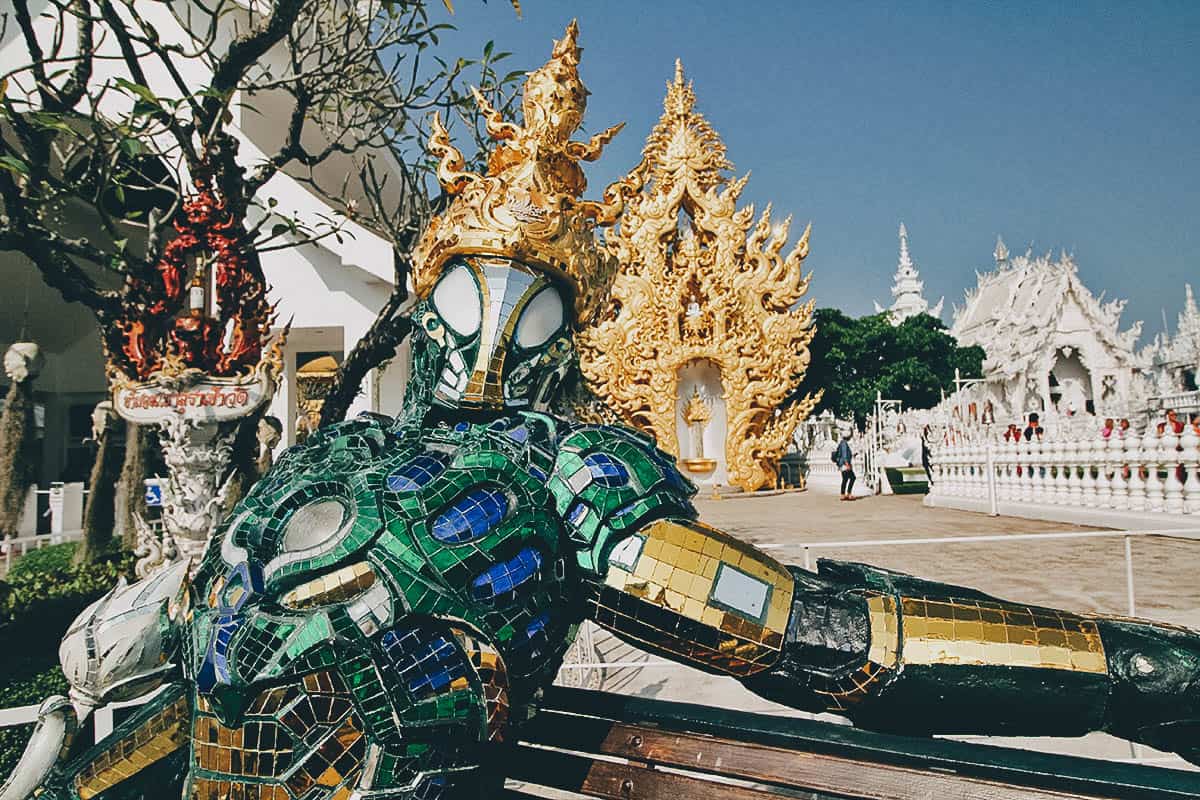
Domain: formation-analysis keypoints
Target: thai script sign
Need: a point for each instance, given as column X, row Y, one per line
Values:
column 204, row 399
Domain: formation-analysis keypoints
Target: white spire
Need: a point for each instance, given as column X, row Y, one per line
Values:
column 1000, row 253
column 907, row 288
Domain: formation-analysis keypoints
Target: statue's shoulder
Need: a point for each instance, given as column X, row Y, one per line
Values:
column 608, row 480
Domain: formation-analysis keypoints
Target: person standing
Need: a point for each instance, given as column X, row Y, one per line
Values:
column 925, row 436
column 845, row 462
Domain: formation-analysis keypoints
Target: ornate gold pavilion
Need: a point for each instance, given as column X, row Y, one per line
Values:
column 702, row 288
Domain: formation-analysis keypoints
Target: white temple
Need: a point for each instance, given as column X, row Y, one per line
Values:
column 907, row 289
column 1173, row 362
column 1051, row 345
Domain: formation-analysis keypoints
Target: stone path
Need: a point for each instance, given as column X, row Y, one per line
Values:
column 1076, row 574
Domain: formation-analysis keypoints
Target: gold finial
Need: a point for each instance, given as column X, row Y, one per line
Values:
column 529, row 205
column 683, row 146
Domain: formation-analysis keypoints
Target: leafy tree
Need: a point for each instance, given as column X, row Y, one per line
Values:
column 109, row 145
column 853, row 359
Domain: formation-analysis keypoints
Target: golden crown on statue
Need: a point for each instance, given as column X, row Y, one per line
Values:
column 529, row 205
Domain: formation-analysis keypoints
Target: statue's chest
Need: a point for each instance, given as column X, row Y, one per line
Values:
column 470, row 528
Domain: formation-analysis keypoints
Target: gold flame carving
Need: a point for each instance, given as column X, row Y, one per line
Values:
column 529, row 205
column 699, row 279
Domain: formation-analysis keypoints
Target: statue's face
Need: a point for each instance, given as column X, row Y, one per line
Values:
column 492, row 334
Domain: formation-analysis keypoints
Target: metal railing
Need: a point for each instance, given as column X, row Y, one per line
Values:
column 13, row 549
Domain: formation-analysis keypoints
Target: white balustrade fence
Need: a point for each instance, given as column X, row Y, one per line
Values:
column 1131, row 474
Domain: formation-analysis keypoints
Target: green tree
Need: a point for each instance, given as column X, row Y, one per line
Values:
column 852, row 359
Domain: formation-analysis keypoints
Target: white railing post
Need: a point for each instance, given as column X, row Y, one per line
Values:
column 1169, row 453
column 1072, row 457
column 1150, row 456
column 1137, row 483
column 1104, row 457
column 1088, row 447
column 1004, row 461
column 1058, row 455
column 1116, row 443
column 1189, row 459
column 1030, row 487
column 993, row 504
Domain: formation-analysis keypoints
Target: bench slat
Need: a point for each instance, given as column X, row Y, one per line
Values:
column 809, row 771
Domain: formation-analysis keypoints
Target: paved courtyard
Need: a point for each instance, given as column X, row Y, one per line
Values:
column 1085, row 574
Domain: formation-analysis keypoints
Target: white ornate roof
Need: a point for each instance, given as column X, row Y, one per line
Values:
column 1016, row 311
column 1167, row 354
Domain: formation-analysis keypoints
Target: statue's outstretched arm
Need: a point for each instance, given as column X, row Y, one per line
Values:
column 889, row 651
column 893, row 652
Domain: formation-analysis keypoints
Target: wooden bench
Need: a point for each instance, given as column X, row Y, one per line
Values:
column 594, row 744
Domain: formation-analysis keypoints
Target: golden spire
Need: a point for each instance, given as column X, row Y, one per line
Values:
column 683, row 146
column 529, row 205
column 720, row 287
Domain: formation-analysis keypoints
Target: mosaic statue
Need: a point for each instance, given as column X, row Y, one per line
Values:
column 378, row 615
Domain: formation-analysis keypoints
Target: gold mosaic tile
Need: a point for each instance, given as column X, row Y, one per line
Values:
column 333, row 587
column 253, row 759
column 493, row 677
column 981, row 632
column 736, row 599
column 157, row 737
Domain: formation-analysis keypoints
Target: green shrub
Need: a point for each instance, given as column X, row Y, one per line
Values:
column 54, row 558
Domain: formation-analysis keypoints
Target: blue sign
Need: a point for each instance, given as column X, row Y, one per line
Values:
column 153, row 494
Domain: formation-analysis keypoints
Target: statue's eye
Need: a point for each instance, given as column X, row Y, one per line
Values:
column 456, row 299
column 315, row 524
column 332, row 587
column 541, row 318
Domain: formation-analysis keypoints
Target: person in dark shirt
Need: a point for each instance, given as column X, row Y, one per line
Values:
column 845, row 462
column 1034, row 428
column 925, row 436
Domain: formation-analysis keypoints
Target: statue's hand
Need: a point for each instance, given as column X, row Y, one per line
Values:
column 51, row 738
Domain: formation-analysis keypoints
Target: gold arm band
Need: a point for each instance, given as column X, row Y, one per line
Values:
column 702, row 595
column 987, row 633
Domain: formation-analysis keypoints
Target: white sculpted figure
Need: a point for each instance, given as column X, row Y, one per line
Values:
column 23, row 362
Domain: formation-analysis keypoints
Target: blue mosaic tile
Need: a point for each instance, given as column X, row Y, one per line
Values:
column 504, row 578
column 416, row 473
column 576, row 512
column 537, row 473
column 426, row 662
column 519, row 434
column 471, row 516
column 606, row 470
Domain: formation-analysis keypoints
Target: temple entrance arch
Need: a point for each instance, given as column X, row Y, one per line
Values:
column 1070, row 382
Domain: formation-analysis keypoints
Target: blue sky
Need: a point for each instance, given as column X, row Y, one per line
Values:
column 1061, row 125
